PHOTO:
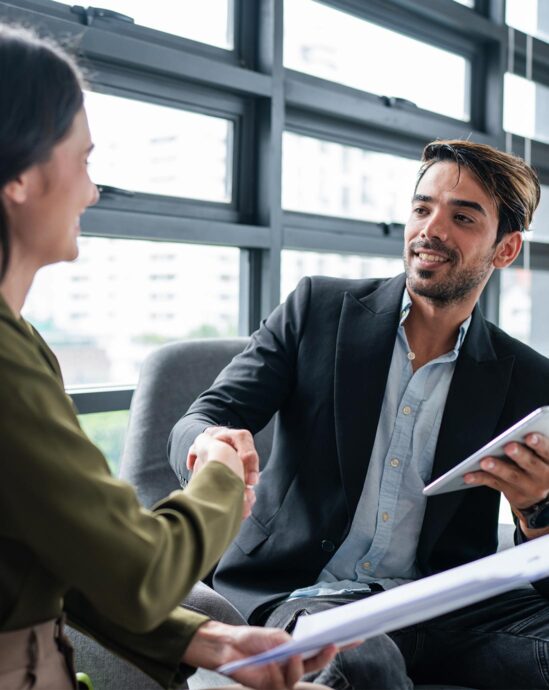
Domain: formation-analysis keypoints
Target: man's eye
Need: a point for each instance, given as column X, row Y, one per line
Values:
column 419, row 211
column 463, row 219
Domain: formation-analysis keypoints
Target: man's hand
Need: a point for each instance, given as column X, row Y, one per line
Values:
column 207, row 449
column 216, row 643
column 524, row 482
column 242, row 442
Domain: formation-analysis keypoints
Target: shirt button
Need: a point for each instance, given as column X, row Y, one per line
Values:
column 366, row 565
column 395, row 462
column 411, row 355
column 385, row 517
column 406, row 409
column 327, row 545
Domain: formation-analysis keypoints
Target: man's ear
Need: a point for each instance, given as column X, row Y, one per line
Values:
column 508, row 249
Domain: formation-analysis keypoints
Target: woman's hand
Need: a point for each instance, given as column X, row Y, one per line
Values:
column 207, row 448
column 215, row 644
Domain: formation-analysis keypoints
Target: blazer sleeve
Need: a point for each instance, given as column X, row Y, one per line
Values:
column 250, row 390
column 85, row 527
column 157, row 653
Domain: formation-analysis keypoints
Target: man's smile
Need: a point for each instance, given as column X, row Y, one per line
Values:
column 431, row 258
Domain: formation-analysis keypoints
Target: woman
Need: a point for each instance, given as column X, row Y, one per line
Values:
column 73, row 539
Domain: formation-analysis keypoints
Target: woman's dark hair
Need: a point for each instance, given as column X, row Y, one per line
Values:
column 40, row 94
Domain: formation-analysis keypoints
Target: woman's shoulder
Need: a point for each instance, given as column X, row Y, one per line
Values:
column 22, row 349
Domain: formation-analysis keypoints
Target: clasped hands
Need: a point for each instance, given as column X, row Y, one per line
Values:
column 524, row 481
column 232, row 447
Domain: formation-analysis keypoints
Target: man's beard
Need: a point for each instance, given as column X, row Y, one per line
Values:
column 455, row 286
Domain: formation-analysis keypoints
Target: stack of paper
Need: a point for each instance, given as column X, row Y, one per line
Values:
column 411, row 603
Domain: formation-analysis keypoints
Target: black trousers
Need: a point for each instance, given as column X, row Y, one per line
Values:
column 500, row 643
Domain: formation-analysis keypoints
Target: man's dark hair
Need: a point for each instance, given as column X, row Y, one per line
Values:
column 40, row 94
column 507, row 179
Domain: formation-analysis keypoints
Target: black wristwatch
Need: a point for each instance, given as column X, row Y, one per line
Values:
column 537, row 516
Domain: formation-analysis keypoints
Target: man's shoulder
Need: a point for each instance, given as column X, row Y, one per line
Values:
column 326, row 286
column 506, row 345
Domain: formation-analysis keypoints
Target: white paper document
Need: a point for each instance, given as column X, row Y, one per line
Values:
column 411, row 603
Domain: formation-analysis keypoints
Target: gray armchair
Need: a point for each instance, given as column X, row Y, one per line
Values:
column 171, row 378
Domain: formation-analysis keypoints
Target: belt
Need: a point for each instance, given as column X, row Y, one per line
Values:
column 28, row 647
column 19, row 647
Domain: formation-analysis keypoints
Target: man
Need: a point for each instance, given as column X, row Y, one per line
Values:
column 381, row 385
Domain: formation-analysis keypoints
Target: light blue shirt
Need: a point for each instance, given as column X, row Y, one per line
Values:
column 382, row 542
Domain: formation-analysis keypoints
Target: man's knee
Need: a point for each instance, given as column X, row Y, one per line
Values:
column 376, row 664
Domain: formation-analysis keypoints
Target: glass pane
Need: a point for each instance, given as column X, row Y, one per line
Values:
column 123, row 298
column 158, row 150
column 523, row 306
column 529, row 16
column 526, row 108
column 207, row 21
column 332, row 179
column 540, row 223
column 334, row 45
column 296, row 264
column 108, row 431
column 467, row 3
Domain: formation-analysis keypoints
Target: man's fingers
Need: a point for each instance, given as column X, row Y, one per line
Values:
column 509, row 472
column 191, row 457
column 240, row 439
column 539, row 444
column 243, row 442
column 250, row 460
column 249, row 501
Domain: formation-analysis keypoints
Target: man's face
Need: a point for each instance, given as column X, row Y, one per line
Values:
column 450, row 236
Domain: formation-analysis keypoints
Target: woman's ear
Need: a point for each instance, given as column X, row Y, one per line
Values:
column 508, row 249
column 16, row 191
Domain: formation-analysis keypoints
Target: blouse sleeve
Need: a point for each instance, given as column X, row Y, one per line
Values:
column 86, row 527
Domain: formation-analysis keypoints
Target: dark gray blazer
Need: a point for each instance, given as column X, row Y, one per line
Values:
column 321, row 360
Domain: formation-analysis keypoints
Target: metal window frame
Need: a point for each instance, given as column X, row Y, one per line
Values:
column 250, row 86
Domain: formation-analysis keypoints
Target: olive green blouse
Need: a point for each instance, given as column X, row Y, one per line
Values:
column 73, row 538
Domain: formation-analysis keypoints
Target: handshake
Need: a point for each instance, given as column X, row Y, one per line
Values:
column 232, row 447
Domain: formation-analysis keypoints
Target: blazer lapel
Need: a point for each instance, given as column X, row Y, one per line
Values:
column 365, row 341
column 473, row 408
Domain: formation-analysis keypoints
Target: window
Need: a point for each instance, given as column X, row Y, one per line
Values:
column 332, row 179
column 108, row 431
column 203, row 146
column 540, row 223
column 297, row 264
column 103, row 338
column 526, row 108
column 523, row 306
column 529, row 16
column 334, row 45
column 133, row 139
column 207, row 21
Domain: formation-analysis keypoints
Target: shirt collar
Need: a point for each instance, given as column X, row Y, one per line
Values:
column 406, row 306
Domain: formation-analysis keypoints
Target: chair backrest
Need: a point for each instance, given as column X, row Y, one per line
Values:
column 171, row 378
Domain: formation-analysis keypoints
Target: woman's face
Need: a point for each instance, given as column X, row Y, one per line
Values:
column 45, row 217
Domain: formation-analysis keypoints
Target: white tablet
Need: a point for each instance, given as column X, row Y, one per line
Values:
column 536, row 421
